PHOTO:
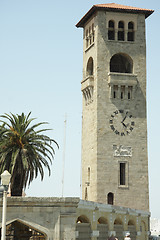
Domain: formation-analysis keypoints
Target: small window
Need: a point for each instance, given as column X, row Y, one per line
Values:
column 129, row 95
column 111, row 30
column 129, row 92
column 122, row 92
column 110, row 198
column 93, row 32
column 87, row 39
column 130, row 31
column 89, row 35
column 89, row 173
column 115, row 91
column 86, row 194
column 121, row 31
column 122, row 173
column 90, row 38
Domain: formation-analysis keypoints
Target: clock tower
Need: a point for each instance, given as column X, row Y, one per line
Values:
column 114, row 123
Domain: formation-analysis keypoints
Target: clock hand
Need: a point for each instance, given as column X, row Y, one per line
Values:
column 124, row 119
column 124, row 125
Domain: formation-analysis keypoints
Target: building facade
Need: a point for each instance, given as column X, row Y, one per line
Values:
column 114, row 123
column 71, row 219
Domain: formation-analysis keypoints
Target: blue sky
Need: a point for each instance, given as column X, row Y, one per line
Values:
column 41, row 71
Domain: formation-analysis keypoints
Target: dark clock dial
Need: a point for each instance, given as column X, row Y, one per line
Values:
column 121, row 122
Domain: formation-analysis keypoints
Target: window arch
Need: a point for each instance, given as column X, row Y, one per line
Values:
column 118, row 221
column 121, row 63
column 130, row 36
column 111, row 30
column 82, row 219
column 110, row 198
column 121, row 31
column 102, row 220
column 90, row 67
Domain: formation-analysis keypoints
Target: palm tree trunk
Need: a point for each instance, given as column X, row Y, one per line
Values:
column 17, row 180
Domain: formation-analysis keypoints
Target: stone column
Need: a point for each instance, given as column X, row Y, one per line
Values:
column 116, row 35
column 125, row 35
column 119, row 92
column 95, row 232
column 126, row 92
column 67, row 227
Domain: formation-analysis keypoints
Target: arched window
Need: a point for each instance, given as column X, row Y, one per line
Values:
column 130, row 36
column 93, row 32
column 90, row 67
column 90, row 39
column 110, row 198
column 121, row 31
column 111, row 30
column 121, row 63
column 87, row 38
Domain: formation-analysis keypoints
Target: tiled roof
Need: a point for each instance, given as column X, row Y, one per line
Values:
column 119, row 6
column 113, row 7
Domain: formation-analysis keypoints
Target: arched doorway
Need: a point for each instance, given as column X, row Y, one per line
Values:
column 132, row 229
column 18, row 231
column 102, row 227
column 83, row 228
column 118, row 228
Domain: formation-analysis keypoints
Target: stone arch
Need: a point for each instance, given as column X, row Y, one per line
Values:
column 121, row 63
column 102, row 220
column 118, row 221
column 82, row 219
column 89, row 70
column 16, row 226
column 118, row 228
column 83, row 228
column 132, row 229
column 102, row 227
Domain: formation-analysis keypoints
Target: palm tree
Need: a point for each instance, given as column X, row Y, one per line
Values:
column 24, row 150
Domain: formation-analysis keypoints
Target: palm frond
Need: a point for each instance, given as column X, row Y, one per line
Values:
column 24, row 150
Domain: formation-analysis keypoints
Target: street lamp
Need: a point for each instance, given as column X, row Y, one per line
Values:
column 5, row 179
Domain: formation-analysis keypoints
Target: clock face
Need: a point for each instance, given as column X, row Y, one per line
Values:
column 121, row 122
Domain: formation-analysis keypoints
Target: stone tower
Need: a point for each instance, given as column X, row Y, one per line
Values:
column 114, row 124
